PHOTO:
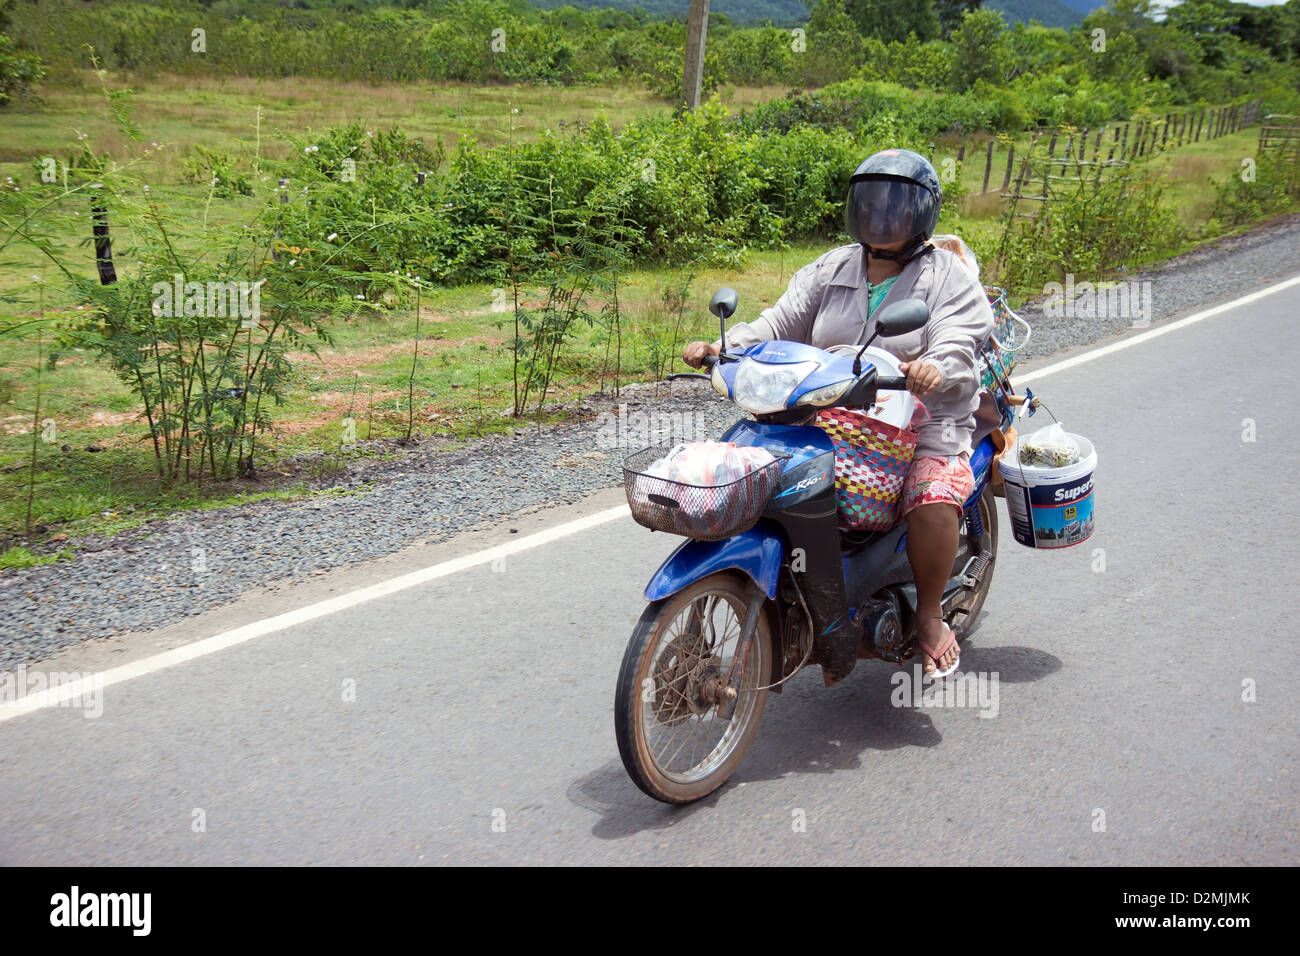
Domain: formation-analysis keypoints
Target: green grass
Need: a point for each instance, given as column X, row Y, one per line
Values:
column 77, row 491
column 178, row 112
column 20, row 557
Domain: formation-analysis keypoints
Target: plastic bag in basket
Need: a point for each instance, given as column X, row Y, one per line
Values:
column 702, row 477
column 709, row 463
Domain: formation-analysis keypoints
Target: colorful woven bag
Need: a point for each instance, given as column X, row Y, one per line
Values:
column 871, row 462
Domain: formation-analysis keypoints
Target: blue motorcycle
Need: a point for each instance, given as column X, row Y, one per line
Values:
column 769, row 583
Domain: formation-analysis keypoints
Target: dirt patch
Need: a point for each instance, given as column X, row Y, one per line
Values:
column 331, row 364
column 22, row 424
column 332, row 407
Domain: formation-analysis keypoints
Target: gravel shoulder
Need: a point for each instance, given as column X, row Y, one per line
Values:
column 182, row 566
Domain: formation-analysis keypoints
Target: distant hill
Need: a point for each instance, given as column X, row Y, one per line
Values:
column 1084, row 6
column 1050, row 13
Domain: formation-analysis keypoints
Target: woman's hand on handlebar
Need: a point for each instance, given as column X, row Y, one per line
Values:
column 693, row 353
column 922, row 377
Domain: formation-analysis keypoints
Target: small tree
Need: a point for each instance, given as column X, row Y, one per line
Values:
column 980, row 49
column 834, row 45
column 891, row 20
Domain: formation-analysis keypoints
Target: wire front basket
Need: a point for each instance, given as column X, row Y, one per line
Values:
column 702, row 512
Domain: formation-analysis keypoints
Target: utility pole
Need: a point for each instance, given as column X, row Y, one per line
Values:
column 697, row 26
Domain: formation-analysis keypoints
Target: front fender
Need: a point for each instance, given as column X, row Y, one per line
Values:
column 759, row 552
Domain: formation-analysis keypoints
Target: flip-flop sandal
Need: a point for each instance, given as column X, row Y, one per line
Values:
column 936, row 654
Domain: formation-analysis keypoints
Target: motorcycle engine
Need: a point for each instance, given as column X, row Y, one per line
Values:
column 883, row 627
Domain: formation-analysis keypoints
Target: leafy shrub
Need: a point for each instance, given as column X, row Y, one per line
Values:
column 1096, row 227
column 217, row 167
column 697, row 187
column 19, row 72
column 1273, row 188
column 909, row 62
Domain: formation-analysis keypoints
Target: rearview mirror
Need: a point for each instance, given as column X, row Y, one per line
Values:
column 724, row 303
column 902, row 317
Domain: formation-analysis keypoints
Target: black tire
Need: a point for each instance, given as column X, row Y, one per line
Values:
column 963, row 624
column 661, row 667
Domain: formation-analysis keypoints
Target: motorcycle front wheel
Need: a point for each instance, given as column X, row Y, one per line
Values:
column 675, row 745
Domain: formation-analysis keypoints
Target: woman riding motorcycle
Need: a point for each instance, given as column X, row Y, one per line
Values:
column 892, row 210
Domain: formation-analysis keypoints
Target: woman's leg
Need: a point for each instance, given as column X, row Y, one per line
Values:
column 932, row 548
column 932, row 498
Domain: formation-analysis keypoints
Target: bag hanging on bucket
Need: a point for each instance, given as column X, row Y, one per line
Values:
column 871, row 462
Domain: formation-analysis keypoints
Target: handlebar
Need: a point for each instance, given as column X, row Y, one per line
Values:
column 709, row 361
column 883, row 382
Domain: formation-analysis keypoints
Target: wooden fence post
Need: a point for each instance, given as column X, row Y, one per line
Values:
column 1047, row 169
column 103, row 246
column 988, row 167
column 1011, row 156
column 284, row 198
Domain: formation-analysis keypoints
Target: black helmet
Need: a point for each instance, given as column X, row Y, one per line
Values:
column 894, row 195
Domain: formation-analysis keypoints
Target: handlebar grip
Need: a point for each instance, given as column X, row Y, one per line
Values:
column 709, row 361
column 892, row 382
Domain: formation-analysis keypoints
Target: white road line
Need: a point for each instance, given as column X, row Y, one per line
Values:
column 78, row 689
column 219, row 642
column 1088, row 356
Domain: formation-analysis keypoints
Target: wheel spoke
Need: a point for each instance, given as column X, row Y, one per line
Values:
column 685, row 739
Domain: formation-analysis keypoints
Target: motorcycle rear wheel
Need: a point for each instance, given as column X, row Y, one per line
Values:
column 674, row 745
column 963, row 624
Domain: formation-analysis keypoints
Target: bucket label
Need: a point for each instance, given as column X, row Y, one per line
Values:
column 1051, row 515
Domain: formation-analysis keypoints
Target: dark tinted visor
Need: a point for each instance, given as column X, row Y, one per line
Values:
column 881, row 211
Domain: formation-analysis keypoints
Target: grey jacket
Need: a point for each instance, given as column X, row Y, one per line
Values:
column 826, row 301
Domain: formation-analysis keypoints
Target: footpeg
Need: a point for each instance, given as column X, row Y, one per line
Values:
column 974, row 572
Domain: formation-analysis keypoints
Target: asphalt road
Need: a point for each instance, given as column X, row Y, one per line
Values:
column 485, row 697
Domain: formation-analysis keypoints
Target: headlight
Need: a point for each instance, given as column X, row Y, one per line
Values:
column 719, row 383
column 827, row 395
column 762, row 388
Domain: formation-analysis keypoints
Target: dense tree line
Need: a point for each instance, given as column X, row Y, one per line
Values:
column 1117, row 61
